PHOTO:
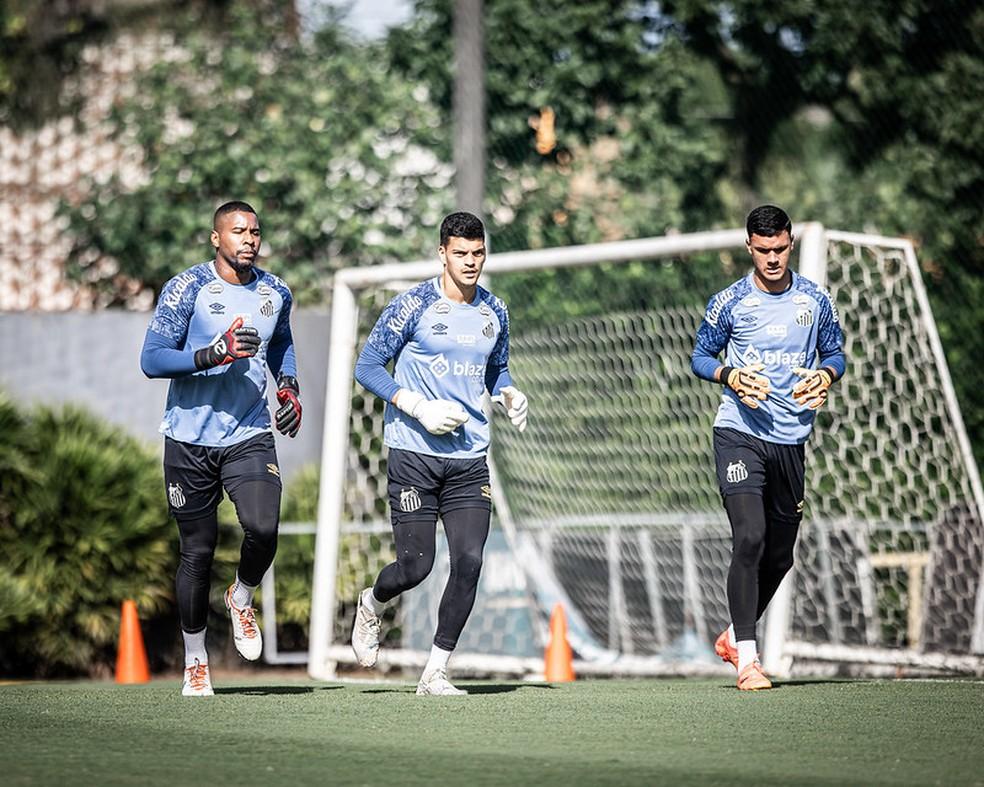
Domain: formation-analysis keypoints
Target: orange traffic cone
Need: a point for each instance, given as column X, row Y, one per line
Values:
column 131, row 658
column 558, row 659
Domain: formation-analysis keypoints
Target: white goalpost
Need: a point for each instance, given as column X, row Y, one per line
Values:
column 607, row 503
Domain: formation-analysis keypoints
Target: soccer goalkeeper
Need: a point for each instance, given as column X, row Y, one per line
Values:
column 782, row 345
column 450, row 339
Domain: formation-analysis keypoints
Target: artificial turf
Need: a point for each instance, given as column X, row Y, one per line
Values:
column 618, row 732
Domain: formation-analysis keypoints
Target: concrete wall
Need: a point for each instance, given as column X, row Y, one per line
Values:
column 93, row 359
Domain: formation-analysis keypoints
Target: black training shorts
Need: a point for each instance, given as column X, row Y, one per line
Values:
column 422, row 486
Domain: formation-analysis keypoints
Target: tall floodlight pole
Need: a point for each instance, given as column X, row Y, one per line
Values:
column 469, row 106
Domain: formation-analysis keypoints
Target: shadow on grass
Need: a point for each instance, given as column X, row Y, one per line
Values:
column 484, row 688
column 262, row 691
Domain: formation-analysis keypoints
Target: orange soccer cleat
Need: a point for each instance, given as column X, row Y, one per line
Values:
column 724, row 648
column 752, row 678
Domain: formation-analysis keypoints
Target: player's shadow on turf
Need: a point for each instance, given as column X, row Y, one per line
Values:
column 489, row 688
column 262, row 691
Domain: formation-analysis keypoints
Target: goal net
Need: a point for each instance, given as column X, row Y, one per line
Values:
column 607, row 503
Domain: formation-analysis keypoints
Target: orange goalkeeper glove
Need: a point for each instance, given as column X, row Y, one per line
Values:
column 750, row 386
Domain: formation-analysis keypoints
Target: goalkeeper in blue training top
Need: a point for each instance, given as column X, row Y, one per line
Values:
column 217, row 328
column 782, row 345
column 450, row 339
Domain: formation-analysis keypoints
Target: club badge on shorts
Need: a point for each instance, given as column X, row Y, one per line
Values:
column 176, row 495
column 409, row 500
column 737, row 472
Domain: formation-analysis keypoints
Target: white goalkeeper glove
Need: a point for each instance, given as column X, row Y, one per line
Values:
column 746, row 381
column 811, row 391
column 515, row 403
column 438, row 416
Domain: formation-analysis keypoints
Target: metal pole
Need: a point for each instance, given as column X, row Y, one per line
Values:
column 469, row 106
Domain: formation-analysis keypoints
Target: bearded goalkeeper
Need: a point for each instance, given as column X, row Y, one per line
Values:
column 782, row 344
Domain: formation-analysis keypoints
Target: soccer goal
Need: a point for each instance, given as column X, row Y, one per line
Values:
column 607, row 504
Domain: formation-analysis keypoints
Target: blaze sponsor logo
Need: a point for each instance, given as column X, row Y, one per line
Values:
column 409, row 305
column 173, row 298
column 804, row 318
column 778, row 331
column 463, row 369
column 773, row 357
column 440, row 329
column 439, row 366
column 216, row 308
column 466, row 339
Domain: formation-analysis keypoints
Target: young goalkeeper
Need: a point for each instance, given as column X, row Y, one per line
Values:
column 450, row 339
column 782, row 345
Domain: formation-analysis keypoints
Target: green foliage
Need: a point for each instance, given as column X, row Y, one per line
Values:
column 334, row 154
column 83, row 526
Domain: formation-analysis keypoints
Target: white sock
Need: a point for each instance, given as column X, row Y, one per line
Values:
column 194, row 647
column 747, row 653
column 731, row 635
column 369, row 599
column 242, row 594
column 438, row 660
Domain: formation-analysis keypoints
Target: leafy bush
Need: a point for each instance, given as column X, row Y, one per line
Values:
column 83, row 525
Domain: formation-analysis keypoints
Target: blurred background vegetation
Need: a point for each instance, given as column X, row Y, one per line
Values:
column 607, row 119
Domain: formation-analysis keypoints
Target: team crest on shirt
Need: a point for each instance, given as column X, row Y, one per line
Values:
column 439, row 365
column 804, row 318
column 176, row 495
column 267, row 308
column 409, row 500
column 215, row 287
column 737, row 472
column 488, row 331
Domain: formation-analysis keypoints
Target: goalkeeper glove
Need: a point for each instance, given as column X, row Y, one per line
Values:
column 237, row 342
column 515, row 403
column 745, row 381
column 438, row 416
column 811, row 391
column 288, row 417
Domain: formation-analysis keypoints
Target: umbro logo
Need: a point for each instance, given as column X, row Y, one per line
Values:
column 216, row 308
column 440, row 329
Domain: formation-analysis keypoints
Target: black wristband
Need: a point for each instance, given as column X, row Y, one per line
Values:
column 828, row 370
column 725, row 374
column 203, row 358
column 286, row 381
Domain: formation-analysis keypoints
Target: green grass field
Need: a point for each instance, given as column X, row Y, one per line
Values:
column 614, row 732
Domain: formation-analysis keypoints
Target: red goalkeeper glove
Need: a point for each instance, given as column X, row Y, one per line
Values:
column 237, row 342
column 288, row 417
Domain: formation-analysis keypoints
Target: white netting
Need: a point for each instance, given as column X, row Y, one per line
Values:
column 610, row 503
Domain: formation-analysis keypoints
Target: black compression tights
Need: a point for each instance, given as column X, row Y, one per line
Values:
column 258, row 508
column 762, row 554
column 466, row 530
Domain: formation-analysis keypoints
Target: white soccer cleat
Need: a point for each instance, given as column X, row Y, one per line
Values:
column 436, row 683
column 245, row 630
column 197, row 681
column 365, row 632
